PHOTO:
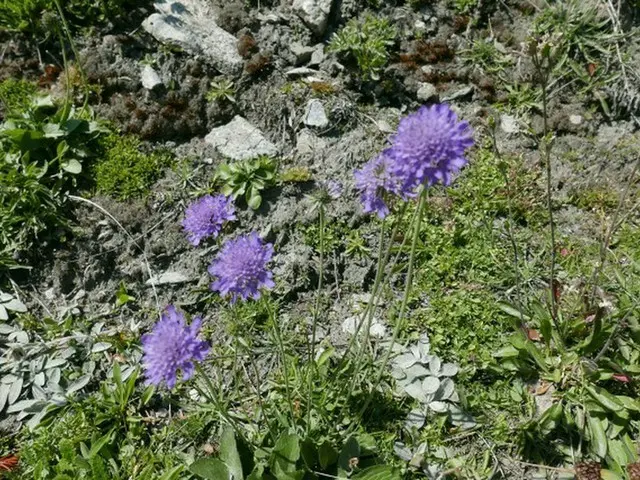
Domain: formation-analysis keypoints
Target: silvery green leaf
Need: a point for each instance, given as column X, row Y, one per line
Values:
column 38, row 392
column 100, row 347
column 5, row 297
column 55, row 362
column 4, row 328
column 460, row 418
column 438, row 407
column 15, row 305
column 8, row 379
column 455, row 398
column 405, row 360
column 415, row 391
column 398, row 374
column 15, row 391
column 430, row 385
column 21, row 406
column 20, row 336
column 67, row 352
column 54, row 387
column 402, row 451
column 448, row 370
column 53, row 375
column 416, row 371
column 39, row 379
column 446, row 389
column 415, row 419
column 79, row 384
column 126, row 373
column 4, row 394
column 434, row 365
column 89, row 367
column 4, row 315
column 37, row 418
column 58, row 400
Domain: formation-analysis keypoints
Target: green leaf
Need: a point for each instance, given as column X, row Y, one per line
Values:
column 378, row 472
column 604, row 398
column 597, row 436
column 285, row 454
column 512, row 310
column 72, row 166
column 609, row 475
column 254, row 199
column 309, row 453
column 327, row 455
column 351, row 449
column 210, row 468
column 99, row 444
column 172, row 474
column 229, row 454
column 257, row 473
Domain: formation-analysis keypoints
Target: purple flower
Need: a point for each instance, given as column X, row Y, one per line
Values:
column 206, row 216
column 373, row 180
column 172, row 347
column 334, row 189
column 429, row 147
column 241, row 268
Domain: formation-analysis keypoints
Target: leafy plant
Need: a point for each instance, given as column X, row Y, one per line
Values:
column 44, row 150
column 248, row 178
column 125, row 171
column 367, row 40
column 291, row 457
column 16, row 95
column 222, row 90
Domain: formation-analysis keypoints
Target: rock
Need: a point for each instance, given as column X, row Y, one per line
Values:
column 150, row 78
column 300, row 72
column 308, row 142
column 427, row 92
column 576, row 119
column 462, row 93
column 317, row 56
column 315, row 116
column 509, row 124
column 314, row 14
column 376, row 330
column 239, row 140
column 168, row 278
column 190, row 24
column 301, row 52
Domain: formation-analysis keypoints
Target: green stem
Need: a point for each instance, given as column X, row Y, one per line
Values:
column 403, row 308
column 283, row 359
column 316, row 313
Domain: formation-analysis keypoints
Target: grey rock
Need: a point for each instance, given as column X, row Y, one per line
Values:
column 301, row 52
column 301, row 72
column 315, row 116
column 317, row 56
column 150, row 78
column 576, row 119
column 168, row 278
column 458, row 94
column 191, row 25
column 427, row 92
column 314, row 13
column 509, row 124
column 239, row 140
column 308, row 142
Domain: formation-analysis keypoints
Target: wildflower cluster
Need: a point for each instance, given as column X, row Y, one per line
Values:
column 428, row 149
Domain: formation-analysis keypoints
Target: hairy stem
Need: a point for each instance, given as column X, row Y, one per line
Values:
column 283, row 360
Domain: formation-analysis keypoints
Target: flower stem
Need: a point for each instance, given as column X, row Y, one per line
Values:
column 403, row 308
column 316, row 313
column 283, row 359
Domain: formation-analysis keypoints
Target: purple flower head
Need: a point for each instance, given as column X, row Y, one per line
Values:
column 373, row 180
column 172, row 347
column 206, row 216
column 240, row 268
column 429, row 146
column 334, row 189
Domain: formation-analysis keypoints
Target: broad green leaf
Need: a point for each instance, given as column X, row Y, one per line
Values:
column 512, row 310
column 79, row 384
column 72, row 166
column 99, row 444
column 285, row 454
column 172, row 474
column 378, row 472
column 229, row 454
column 609, row 475
column 309, row 453
column 597, row 436
column 604, row 398
column 350, row 450
column 254, row 199
column 327, row 455
column 210, row 468
column 16, row 389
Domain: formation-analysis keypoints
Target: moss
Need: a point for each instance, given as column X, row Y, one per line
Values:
column 126, row 171
column 16, row 95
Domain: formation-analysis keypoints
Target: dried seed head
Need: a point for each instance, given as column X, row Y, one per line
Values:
column 588, row 471
column 634, row 471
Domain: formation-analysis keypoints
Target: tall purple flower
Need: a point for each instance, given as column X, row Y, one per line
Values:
column 429, row 146
column 206, row 216
column 240, row 268
column 373, row 180
column 172, row 347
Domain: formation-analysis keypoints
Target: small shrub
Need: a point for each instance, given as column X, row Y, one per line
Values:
column 367, row 40
column 125, row 171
